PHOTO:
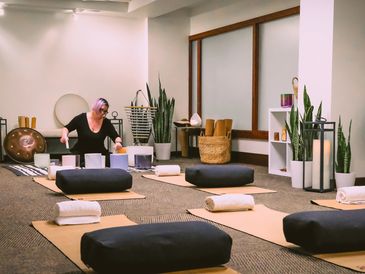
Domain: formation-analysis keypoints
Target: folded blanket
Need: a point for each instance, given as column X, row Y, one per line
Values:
column 77, row 209
column 351, row 195
column 167, row 170
column 77, row 220
column 53, row 169
column 229, row 202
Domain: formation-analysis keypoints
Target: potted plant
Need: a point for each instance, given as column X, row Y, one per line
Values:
column 162, row 122
column 343, row 175
column 301, row 143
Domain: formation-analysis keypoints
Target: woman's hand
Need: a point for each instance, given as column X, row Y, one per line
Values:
column 118, row 144
column 64, row 136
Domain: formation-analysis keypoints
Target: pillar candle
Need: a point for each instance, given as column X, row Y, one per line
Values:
column 34, row 122
column 316, row 178
column 26, row 121
column 21, row 121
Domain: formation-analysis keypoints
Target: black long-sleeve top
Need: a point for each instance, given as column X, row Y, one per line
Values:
column 88, row 141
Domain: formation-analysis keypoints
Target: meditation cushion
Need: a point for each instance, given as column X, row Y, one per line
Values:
column 326, row 231
column 155, row 248
column 78, row 181
column 219, row 175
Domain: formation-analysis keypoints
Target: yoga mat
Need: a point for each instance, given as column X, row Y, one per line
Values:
column 332, row 203
column 125, row 195
column 267, row 224
column 67, row 239
column 180, row 181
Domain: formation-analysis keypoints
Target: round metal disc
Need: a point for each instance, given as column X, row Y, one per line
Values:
column 20, row 144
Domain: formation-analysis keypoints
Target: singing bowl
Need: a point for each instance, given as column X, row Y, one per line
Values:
column 20, row 144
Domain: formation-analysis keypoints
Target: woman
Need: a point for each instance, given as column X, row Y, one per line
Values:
column 92, row 129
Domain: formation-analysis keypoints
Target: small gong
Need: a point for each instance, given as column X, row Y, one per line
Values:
column 20, row 144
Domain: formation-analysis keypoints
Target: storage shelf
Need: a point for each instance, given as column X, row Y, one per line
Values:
column 280, row 151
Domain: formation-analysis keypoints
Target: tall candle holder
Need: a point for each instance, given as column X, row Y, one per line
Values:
column 323, row 165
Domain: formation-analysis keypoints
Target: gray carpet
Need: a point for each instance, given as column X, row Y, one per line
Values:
column 24, row 250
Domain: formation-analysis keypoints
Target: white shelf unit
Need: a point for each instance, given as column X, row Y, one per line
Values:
column 280, row 153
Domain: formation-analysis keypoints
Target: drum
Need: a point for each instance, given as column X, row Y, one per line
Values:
column 20, row 144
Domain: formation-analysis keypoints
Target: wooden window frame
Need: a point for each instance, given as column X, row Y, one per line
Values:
column 254, row 133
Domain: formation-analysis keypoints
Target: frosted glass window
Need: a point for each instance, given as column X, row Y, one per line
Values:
column 227, row 77
column 279, row 49
column 194, row 99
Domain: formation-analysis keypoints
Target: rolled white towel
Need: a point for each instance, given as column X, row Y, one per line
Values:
column 229, row 202
column 77, row 220
column 53, row 169
column 351, row 195
column 77, row 209
column 167, row 170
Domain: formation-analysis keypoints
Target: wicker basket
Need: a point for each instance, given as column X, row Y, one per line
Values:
column 214, row 149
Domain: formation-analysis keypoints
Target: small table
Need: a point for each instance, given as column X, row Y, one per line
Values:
column 192, row 134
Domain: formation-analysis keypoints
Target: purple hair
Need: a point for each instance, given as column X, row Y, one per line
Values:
column 99, row 103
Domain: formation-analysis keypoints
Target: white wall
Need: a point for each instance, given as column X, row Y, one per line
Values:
column 332, row 65
column 43, row 56
column 239, row 11
column 348, row 96
column 168, row 57
column 315, row 53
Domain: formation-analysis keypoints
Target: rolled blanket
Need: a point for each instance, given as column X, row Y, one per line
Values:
column 155, row 248
column 104, row 180
column 351, row 195
column 53, row 169
column 229, row 202
column 77, row 208
column 77, row 220
column 167, row 170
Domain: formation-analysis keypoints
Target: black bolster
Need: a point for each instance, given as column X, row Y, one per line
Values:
column 155, row 248
column 78, row 181
column 219, row 175
column 326, row 231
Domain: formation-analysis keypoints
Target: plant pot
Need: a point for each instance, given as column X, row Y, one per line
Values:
column 163, row 151
column 345, row 179
column 296, row 168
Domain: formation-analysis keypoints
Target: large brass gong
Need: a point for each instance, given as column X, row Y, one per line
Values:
column 20, row 144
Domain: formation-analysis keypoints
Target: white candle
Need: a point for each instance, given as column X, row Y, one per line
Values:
column 316, row 178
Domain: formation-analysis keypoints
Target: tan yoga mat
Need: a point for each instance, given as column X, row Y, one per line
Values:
column 332, row 203
column 267, row 224
column 67, row 239
column 179, row 180
column 125, row 195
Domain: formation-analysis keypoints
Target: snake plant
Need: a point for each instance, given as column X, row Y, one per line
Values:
column 309, row 134
column 302, row 143
column 162, row 122
column 343, row 150
column 294, row 134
